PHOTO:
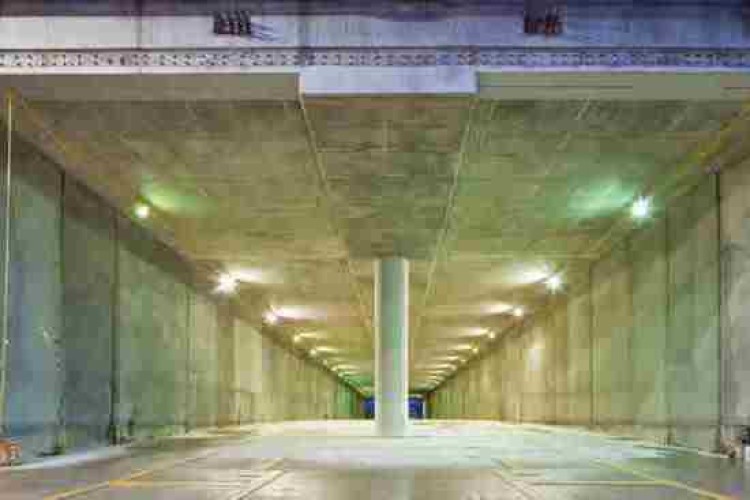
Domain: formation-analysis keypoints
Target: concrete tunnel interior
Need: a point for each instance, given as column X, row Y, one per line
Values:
column 583, row 312
column 235, row 282
column 176, row 265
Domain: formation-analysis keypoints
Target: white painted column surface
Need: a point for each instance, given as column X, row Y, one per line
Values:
column 391, row 346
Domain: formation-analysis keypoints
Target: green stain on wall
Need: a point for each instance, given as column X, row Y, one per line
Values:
column 176, row 200
column 600, row 200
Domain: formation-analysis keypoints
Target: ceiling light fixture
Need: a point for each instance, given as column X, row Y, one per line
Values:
column 227, row 284
column 554, row 283
column 641, row 208
column 142, row 210
column 327, row 349
column 462, row 347
column 270, row 317
column 518, row 312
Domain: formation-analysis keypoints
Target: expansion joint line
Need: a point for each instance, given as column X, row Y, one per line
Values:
column 523, row 490
column 244, row 494
column 4, row 340
column 324, row 191
column 449, row 208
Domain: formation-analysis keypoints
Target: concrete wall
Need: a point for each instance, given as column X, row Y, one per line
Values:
column 635, row 348
column 34, row 354
column 735, row 313
column 108, row 338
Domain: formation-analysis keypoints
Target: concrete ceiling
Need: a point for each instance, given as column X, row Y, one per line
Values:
column 487, row 198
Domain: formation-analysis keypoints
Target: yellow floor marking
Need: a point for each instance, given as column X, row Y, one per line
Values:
column 140, row 473
column 666, row 482
column 634, row 440
column 661, row 481
column 166, row 465
column 77, row 491
column 543, row 482
column 174, row 484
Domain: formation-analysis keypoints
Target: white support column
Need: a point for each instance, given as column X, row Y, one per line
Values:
column 391, row 346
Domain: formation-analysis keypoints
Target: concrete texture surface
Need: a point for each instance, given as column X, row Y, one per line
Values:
column 376, row 129
column 343, row 460
column 735, row 315
column 635, row 351
column 110, row 338
column 88, row 277
column 35, row 335
column 484, row 197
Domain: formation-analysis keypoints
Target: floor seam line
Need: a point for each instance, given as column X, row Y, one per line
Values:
column 254, row 489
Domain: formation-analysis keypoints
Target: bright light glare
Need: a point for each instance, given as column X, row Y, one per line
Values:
column 535, row 354
column 312, row 335
column 142, row 211
column 301, row 312
column 297, row 339
column 554, row 283
column 227, row 284
column 492, row 335
column 256, row 275
column 495, row 308
column 518, row 312
column 641, row 208
column 270, row 317
column 462, row 347
column 475, row 331
column 327, row 349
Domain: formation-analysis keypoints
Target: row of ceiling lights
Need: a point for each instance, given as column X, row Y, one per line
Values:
column 439, row 372
column 227, row 283
column 342, row 369
column 640, row 210
column 270, row 317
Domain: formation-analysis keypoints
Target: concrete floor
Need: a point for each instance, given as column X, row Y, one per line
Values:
column 342, row 460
